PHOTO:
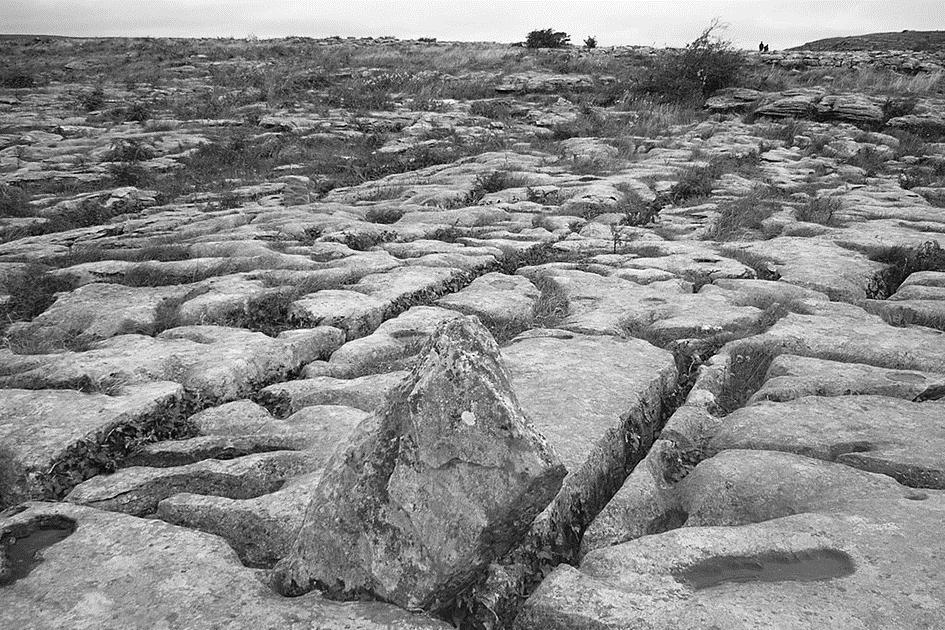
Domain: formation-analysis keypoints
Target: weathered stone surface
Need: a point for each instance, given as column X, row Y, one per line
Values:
column 366, row 392
column 892, row 436
column 442, row 481
column 856, row 337
column 138, row 489
column 355, row 313
column 860, row 536
column 609, row 305
column 596, row 400
column 503, row 303
column 211, row 362
column 116, row 571
column 52, row 439
column 99, row 311
column 791, row 377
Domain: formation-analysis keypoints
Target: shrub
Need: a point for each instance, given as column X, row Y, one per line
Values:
column 129, row 151
column 869, row 159
column 590, row 42
column 547, row 38
column 31, row 292
column 93, row 100
column 16, row 79
column 896, row 107
column 821, row 210
column 741, row 215
column 492, row 108
column 705, row 65
column 136, row 112
column 14, row 202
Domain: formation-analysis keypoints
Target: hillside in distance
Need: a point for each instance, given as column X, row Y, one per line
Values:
column 904, row 40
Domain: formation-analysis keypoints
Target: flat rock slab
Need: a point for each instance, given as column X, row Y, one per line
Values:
column 355, row 313
column 116, row 571
column 365, row 392
column 612, row 306
column 391, row 347
column 404, row 287
column 138, row 489
column 862, row 338
column 791, row 377
column 213, row 363
column 503, row 303
column 99, row 311
column 261, row 529
column 896, row 437
column 861, row 535
column 52, row 439
column 817, row 264
column 596, row 399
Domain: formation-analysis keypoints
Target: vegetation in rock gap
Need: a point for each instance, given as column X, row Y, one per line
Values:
column 821, row 210
column 14, row 202
column 740, row 217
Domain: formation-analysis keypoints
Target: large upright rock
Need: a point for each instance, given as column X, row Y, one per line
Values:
column 446, row 478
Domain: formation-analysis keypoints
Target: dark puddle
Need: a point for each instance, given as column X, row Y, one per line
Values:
column 805, row 566
column 21, row 545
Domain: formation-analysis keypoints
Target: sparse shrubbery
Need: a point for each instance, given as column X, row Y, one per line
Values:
column 547, row 38
column 16, row 79
column 870, row 160
column 92, row 100
column 706, row 64
column 129, row 151
column 821, row 210
column 590, row 42
column 739, row 217
column 14, row 202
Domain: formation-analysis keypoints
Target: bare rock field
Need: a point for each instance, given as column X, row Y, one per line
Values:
column 379, row 333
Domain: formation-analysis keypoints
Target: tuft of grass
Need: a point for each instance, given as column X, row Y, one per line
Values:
column 870, row 160
column 822, row 210
column 741, row 216
column 14, row 202
column 129, row 151
column 17, row 79
column 746, row 373
column 92, row 100
column 552, row 305
column 31, row 292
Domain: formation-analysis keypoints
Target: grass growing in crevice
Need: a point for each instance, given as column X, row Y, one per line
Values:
column 552, row 306
column 901, row 263
column 31, row 292
column 748, row 366
column 742, row 218
column 822, row 210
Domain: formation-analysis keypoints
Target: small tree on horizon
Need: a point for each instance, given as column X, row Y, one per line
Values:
column 590, row 42
column 547, row 38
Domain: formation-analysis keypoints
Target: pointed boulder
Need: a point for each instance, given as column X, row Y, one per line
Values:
column 443, row 480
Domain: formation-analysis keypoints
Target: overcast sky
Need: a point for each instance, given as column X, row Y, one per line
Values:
column 782, row 23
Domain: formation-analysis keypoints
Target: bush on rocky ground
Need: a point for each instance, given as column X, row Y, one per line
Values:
column 821, row 210
column 742, row 215
column 705, row 65
column 547, row 38
column 14, row 202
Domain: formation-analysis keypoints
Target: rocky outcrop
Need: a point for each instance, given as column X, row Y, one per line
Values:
column 443, row 480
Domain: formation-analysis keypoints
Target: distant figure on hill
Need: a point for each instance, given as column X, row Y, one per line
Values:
column 761, row 46
column 766, row 48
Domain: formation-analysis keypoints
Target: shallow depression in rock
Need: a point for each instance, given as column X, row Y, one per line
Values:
column 805, row 566
column 21, row 551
